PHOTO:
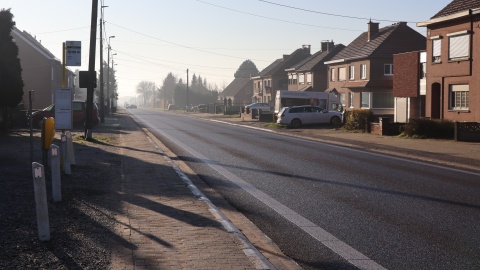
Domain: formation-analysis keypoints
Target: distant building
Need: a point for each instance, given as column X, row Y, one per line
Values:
column 363, row 72
column 274, row 77
column 41, row 71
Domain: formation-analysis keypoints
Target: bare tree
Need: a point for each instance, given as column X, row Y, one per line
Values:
column 146, row 89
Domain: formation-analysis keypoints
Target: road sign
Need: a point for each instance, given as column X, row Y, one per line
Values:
column 63, row 108
column 73, row 53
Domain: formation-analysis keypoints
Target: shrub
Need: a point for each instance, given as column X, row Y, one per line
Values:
column 357, row 119
column 429, row 128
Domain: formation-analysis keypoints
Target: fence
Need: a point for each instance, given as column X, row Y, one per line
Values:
column 467, row 131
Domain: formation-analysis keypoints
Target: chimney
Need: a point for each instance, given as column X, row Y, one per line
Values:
column 306, row 49
column 327, row 45
column 372, row 30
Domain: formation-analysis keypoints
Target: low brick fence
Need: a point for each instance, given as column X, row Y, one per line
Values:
column 385, row 127
column 467, row 131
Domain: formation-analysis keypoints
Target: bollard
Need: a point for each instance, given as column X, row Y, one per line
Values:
column 41, row 201
column 66, row 162
column 54, row 155
column 70, row 152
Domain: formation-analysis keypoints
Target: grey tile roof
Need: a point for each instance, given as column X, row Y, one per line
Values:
column 279, row 65
column 235, row 87
column 392, row 39
column 318, row 58
column 457, row 6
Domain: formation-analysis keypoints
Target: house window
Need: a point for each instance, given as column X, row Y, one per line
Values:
column 458, row 45
column 382, row 100
column 301, row 78
column 342, row 98
column 365, row 100
column 332, row 75
column 423, row 70
column 459, row 95
column 294, row 79
column 351, row 100
column 363, row 71
column 436, row 50
column 388, row 69
column 342, row 74
column 351, row 71
column 309, row 78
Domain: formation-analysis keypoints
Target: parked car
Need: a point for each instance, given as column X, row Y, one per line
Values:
column 202, row 108
column 79, row 112
column 172, row 107
column 262, row 106
column 131, row 106
column 297, row 116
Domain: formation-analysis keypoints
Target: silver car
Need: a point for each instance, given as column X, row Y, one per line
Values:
column 297, row 116
column 259, row 106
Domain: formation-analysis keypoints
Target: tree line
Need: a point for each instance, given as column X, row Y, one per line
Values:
column 174, row 91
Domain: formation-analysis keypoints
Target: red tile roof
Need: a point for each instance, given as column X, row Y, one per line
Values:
column 457, row 6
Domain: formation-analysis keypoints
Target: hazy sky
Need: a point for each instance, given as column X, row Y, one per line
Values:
column 209, row 37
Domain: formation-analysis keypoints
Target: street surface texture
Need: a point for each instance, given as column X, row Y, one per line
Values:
column 386, row 211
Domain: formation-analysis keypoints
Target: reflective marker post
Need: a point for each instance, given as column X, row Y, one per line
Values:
column 41, row 205
column 54, row 155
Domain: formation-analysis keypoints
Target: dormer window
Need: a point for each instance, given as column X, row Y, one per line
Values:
column 388, row 69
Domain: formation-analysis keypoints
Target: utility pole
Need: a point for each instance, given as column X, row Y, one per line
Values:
column 91, row 70
column 108, row 76
column 187, row 89
column 102, row 95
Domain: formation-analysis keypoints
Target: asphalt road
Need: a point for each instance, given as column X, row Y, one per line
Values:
column 333, row 207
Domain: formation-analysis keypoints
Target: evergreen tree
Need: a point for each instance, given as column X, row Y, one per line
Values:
column 167, row 89
column 11, row 82
column 246, row 70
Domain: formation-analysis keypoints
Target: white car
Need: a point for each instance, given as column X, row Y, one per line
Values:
column 259, row 106
column 297, row 116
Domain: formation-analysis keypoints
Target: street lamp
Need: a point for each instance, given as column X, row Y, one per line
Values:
column 108, row 75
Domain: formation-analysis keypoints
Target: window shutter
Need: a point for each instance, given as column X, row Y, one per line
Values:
column 437, row 47
column 459, row 46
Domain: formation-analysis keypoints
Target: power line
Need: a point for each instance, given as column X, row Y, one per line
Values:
column 329, row 14
column 279, row 20
column 184, row 46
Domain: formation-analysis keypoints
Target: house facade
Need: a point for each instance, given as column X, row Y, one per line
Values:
column 238, row 92
column 409, row 85
column 312, row 74
column 453, row 51
column 41, row 71
column 274, row 77
column 362, row 73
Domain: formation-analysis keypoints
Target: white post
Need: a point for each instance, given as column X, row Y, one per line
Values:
column 54, row 155
column 41, row 201
column 71, row 154
column 66, row 162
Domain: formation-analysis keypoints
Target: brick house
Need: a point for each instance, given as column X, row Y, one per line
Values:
column 41, row 71
column 240, row 90
column 409, row 85
column 274, row 77
column 362, row 73
column 312, row 74
column 453, row 53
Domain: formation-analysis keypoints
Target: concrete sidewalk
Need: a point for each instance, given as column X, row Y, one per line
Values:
column 163, row 225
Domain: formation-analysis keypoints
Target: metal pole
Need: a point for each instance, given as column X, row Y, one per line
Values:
column 108, row 78
column 91, row 70
column 187, row 88
column 30, row 99
column 102, row 95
